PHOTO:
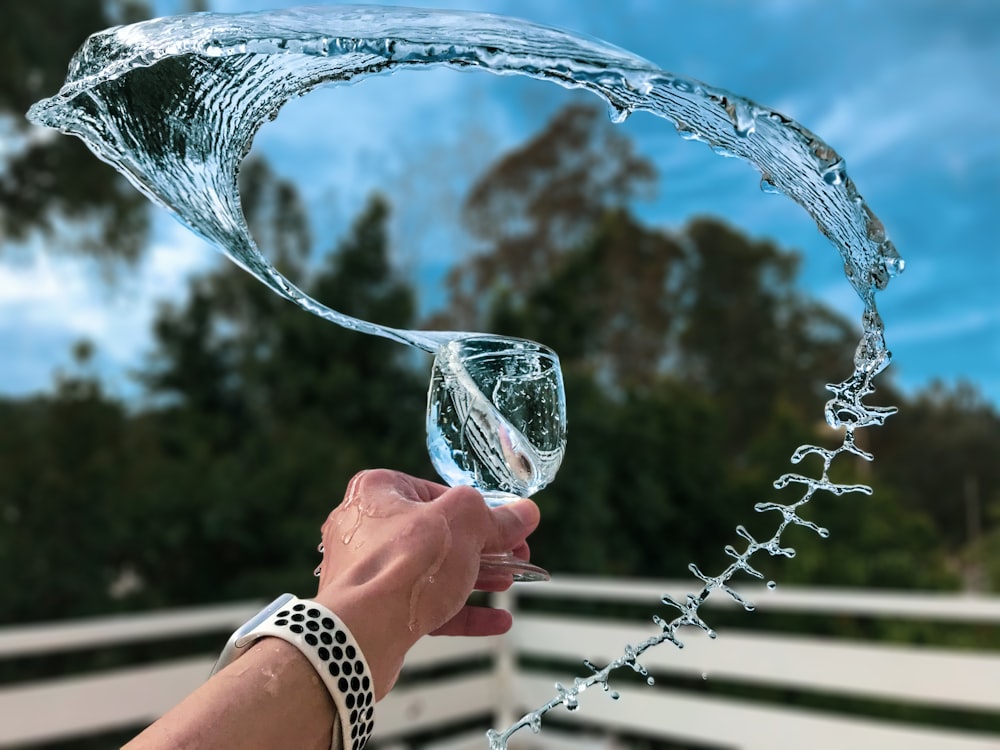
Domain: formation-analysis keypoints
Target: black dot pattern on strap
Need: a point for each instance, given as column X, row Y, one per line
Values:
column 329, row 641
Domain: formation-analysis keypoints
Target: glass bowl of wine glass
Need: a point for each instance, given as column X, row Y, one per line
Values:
column 496, row 420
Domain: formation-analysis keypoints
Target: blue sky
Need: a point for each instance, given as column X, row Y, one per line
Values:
column 907, row 92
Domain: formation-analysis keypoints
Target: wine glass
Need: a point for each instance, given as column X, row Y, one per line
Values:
column 496, row 420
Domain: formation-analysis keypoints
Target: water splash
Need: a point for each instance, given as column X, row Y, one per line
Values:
column 851, row 414
column 174, row 104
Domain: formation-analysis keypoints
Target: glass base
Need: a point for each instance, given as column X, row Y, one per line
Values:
column 504, row 564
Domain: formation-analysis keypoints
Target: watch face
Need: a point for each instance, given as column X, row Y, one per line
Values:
column 250, row 625
column 242, row 637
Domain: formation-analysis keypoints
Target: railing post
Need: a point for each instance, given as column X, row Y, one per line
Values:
column 505, row 665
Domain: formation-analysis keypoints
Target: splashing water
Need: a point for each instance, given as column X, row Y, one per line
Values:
column 174, row 103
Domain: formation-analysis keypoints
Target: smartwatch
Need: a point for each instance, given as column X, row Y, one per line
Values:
column 325, row 641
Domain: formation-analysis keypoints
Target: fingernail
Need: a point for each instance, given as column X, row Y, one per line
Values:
column 526, row 511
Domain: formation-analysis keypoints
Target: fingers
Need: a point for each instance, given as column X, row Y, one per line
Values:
column 421, row 490
column 477, row 621
column 512, row 523
column 409, row 487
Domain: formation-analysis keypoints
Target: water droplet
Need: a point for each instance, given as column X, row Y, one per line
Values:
column 615, row 695
column 321, row 548
column 619, row 114
column 825, row 533
column 874, row 227
column 766, row 186
column 650, row 681
column 319, row 571
column 741, row 115
column 704, row 675
column 772, row 585
column 823, row 152
column 894, row 264
column 834, row 174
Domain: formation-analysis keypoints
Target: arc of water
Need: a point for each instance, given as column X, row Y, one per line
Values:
column 174, row 104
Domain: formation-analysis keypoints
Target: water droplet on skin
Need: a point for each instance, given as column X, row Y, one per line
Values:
column 321, row 548
column 319, row 571
column 421, row 583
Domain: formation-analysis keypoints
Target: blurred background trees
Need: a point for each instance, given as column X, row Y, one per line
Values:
column 694, row 366
column 51, row 184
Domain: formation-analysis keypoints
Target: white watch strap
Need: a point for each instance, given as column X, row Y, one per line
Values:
column 335, row 655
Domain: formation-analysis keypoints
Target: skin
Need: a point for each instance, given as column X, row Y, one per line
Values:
column 401, row 556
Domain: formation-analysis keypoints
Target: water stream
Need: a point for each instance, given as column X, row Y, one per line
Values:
column 174, row 104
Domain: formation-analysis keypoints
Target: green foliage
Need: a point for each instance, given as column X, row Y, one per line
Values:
column 941, row 454
column 268, row 412
column 50, row 180
column 693, row 368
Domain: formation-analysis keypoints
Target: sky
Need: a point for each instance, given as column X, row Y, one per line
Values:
column 907, row 91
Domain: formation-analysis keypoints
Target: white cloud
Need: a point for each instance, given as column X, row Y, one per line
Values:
column 62, row 299
column 919, row 105
column 939, row 327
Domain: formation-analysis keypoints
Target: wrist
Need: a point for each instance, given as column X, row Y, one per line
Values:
column 379, row 621
column 327, row 645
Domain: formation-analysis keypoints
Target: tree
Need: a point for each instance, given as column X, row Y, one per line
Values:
column 69, row 471
column 750, row 339
column 50, row 180
column 693, row 368
column 604, row 304
column 542, row 198
column 940, row 453
column 267, row 411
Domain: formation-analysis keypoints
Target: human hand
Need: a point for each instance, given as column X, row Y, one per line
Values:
column 401, row 556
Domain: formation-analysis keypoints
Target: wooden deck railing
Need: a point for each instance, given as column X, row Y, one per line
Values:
column 496, row 679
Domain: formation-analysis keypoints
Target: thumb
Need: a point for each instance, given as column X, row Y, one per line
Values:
column 512, row 523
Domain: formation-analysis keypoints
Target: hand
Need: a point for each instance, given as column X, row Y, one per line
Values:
column 401, row 556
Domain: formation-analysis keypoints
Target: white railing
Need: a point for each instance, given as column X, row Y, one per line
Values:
column 494, row 679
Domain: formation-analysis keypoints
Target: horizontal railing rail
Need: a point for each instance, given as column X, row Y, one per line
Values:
column 450, row 684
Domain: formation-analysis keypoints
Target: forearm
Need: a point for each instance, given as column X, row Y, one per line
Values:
column 270, row 697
